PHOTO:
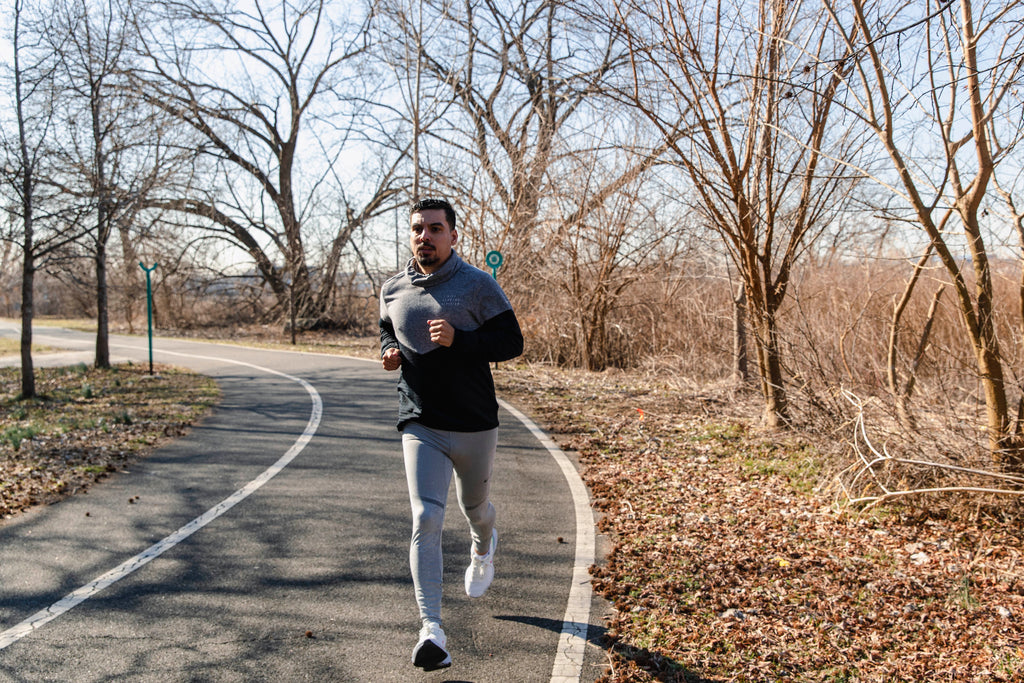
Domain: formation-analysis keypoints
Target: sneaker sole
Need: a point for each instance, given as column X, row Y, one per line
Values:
column 430, row 657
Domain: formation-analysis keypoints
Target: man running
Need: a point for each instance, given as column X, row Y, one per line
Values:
column 442, row 322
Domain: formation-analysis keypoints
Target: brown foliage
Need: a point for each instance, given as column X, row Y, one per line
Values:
column 729, row 565
column 679, row 313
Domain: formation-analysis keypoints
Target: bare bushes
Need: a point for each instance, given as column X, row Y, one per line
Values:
column 948, row 471
column 353, row 306
column 10, row 281
column 677, row 314
column 61, row 296
column 841, row 320
column 185, row 300
column 677, row 320
column 188, row 297
column 838, row 330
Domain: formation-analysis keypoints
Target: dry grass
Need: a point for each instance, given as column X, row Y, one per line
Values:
column 12, row 347
column 87, row 423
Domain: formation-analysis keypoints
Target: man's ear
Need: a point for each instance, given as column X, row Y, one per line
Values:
column 455, row 235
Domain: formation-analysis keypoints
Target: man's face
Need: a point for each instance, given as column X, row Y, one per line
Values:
column 432, row 239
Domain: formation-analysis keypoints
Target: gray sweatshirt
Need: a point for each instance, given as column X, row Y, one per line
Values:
column 448, row 388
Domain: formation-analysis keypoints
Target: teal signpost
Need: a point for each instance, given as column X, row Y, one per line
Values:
column 149, row 309
column 494, row 260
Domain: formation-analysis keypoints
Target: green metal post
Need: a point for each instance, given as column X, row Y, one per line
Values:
column 149, row 310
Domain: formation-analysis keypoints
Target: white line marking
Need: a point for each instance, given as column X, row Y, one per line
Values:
column 90, row 589
column 568, row 667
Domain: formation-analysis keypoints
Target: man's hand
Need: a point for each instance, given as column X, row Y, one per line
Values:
column 441, row 332
column 391, row 359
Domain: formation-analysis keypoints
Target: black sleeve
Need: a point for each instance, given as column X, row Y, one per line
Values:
column 388, row 340
column 498, row 339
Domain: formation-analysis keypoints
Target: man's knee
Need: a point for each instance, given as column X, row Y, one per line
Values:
column 430, row 519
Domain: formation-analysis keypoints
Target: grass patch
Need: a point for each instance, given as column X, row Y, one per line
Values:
column 801, row 466
column 87, row 422
column 13, row 436
column 12, row 347
column 355, row 347
column 80, row 324
column 717, row 431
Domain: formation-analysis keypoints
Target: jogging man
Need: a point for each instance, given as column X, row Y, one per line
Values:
column 442, row 321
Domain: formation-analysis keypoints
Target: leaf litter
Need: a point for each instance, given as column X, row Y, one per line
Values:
column 88, row 423
column 730, row 563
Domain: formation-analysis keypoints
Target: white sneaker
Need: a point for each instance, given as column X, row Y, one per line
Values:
column 480, row 571
column 431, row 651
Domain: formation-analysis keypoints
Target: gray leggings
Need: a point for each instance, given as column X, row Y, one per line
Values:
column 430, row 457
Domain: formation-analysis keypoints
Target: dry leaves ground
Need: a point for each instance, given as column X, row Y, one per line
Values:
column 728, row 564
column 87, row 423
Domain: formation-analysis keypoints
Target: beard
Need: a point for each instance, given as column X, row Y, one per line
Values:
column 429, row 258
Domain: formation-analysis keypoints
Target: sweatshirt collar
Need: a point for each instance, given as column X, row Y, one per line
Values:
column 444, row 273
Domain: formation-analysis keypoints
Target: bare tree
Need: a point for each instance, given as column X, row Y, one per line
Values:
column 744, row 95
column 37, row 224
column 1008, row 181
column 931, row 111
column 1016, row 218
column 250, row 80
column 112, row 152
column 405, row 31
column 544, row 168
column 519, row 73
column 611, row 232
column 902, row 388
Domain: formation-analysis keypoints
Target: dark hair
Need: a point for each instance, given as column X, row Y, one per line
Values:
column 431, row 204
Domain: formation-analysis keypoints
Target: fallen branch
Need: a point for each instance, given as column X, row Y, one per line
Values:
column 871, row 460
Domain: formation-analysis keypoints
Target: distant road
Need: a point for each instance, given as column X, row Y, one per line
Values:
column 271, row 544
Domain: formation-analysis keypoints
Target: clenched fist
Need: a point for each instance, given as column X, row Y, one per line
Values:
column 391, row 359
column 441, row 332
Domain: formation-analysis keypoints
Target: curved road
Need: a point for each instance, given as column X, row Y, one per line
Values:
column 271, row 544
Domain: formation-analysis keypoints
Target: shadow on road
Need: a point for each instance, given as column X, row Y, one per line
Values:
column 595, row 634
column 660, row 667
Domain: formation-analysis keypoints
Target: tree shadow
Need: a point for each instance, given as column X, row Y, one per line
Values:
column 595, row 634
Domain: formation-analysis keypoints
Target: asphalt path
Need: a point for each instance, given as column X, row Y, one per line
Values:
column 271, row 544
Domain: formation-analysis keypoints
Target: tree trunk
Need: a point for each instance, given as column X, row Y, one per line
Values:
column 996, row 410
column 102, row 308
column 740, row 366
column 132, row 289
column 776, row 403
column 28, row 374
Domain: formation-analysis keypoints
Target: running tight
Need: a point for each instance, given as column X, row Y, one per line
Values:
column 431, row 456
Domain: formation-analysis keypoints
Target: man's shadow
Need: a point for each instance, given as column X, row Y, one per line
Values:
column 668, row 670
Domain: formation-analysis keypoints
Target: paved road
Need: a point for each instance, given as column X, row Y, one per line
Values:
column 271, row 520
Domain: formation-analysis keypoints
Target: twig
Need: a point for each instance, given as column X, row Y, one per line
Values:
column 870, row 458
